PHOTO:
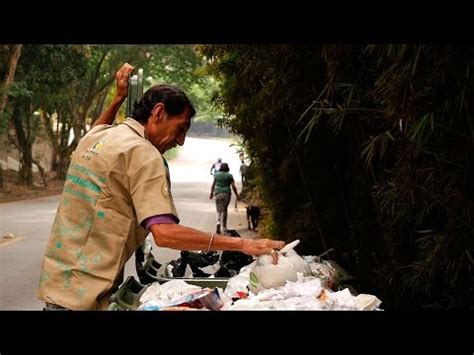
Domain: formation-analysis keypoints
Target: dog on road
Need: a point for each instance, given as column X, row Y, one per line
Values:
column 253, row 216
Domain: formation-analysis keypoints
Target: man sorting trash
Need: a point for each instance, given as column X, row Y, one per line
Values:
column 117, row 190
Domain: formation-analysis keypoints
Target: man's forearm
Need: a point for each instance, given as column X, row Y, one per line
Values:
column 180, row 237
column 184, row 238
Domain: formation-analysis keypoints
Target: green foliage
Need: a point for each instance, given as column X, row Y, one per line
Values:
column 70, row 85
column 384, row 136
column 180, row 65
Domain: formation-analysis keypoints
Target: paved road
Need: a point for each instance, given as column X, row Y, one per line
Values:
column 30, row 221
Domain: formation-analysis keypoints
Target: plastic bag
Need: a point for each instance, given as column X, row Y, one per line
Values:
column 237, row 285
column 200, row 259
column 178, row 267
column 264, row 274
column 231, row 262
column 206, row 298
column 330, row 273
column 194, row 261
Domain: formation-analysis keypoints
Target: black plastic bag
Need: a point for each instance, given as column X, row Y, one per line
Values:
column 201, row 259
column 231, row 262
column 179, row 267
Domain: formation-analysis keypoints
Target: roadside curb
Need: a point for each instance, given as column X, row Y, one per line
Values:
column 6, row 199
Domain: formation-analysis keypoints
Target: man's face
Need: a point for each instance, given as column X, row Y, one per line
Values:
column 165, row 131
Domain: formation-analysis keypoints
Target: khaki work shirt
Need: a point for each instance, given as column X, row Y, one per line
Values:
column 116, row 179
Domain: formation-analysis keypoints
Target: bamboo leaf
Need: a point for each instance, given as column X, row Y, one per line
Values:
column 416, row 60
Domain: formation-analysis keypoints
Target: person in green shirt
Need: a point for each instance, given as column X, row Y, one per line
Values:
column 220, row 189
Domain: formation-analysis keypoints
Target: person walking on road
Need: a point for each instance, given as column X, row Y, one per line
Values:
column 216, row 166
column 220, row 189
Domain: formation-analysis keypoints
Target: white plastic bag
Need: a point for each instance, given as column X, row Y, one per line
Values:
column 265, row 275
column 367, row 302
column 237, row 285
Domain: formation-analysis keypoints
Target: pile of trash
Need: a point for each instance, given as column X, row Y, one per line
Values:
column 294, row 283
column 305, row 293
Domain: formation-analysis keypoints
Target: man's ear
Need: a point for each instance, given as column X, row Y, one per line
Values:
column 158, row 110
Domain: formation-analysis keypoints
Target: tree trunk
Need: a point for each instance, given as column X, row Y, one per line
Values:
column 54, row 161
column 99, row 107
column 26, row 171
column 14, row 58
column 46, row 118
column 24, row 147
column 41, row 170
column 63, row 164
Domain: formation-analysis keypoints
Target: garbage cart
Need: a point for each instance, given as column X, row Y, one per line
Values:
column 127, row 297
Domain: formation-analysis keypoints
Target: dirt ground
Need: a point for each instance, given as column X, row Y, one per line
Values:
column 11, row 191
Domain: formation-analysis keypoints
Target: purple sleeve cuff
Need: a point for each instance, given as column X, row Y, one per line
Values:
column 160, row 219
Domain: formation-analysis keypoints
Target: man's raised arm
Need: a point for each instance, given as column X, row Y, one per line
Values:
column 108, row 116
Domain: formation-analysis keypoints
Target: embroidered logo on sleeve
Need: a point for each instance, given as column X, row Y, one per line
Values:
column 93, row 151
column 98, row 145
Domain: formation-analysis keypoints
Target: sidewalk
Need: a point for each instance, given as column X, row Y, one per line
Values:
column 12, row 192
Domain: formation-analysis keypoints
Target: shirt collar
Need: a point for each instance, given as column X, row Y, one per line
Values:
column 135, row 125
column 140, row 129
